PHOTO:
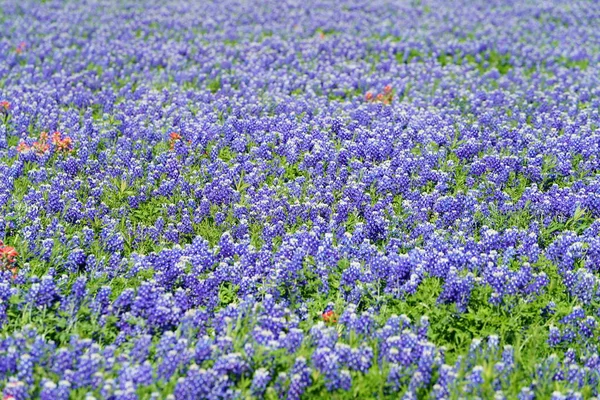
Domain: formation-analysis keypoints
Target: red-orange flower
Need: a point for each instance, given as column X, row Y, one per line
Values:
column 8, row 257
column 4, row 106
column 65, row 144
column 21, row 47
column 22, row 147
column 173, row 137
column 41, row 147
column 330, row 317
column 386, row 97
column 55, row 138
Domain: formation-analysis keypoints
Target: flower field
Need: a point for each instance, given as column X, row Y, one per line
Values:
column 293, row 199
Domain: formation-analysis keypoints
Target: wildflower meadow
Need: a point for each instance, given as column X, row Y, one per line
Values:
column 299, row 199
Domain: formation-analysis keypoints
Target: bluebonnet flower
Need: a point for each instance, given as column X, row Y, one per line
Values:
column 15, row 389
column 260, row 381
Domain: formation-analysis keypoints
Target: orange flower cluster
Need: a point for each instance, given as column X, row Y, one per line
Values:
column 173, row 137
column 41, row 146
column 21, row 47
column 330, row 317
column 4, row 107
column 386, row 97
column 8, row 258
column 63, row 144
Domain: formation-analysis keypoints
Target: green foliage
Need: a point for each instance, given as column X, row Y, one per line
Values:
column 413, row 55
column 569, row 63
column 490, row 60
column 214, row 85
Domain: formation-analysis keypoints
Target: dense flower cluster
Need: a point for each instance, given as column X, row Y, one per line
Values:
column 299, row 199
